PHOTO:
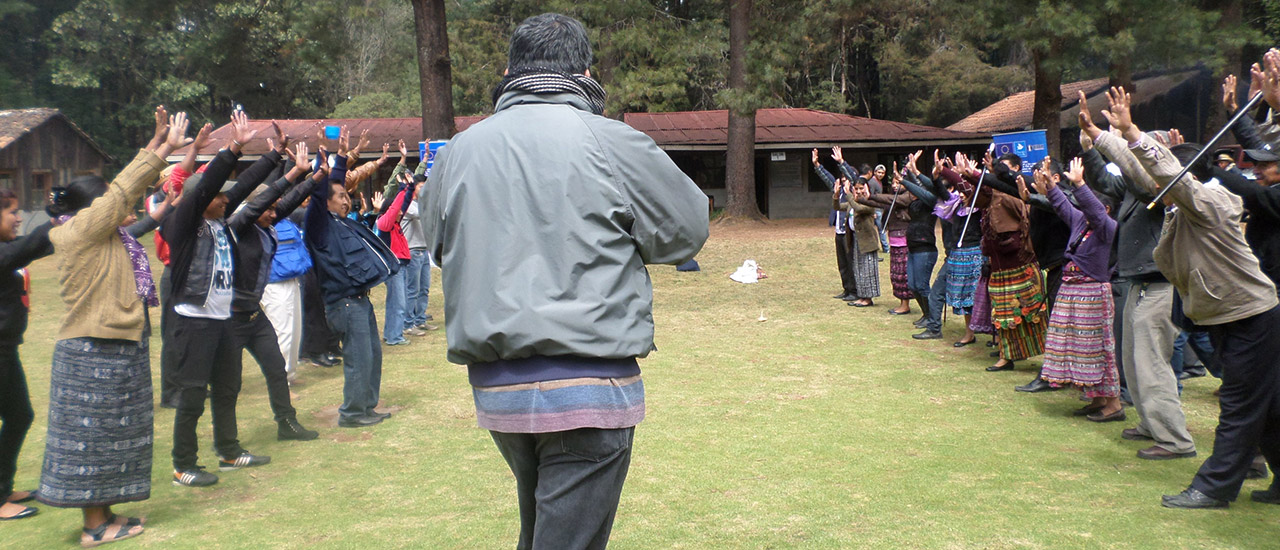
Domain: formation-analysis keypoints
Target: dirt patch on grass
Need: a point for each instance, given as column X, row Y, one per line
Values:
column 770, row 230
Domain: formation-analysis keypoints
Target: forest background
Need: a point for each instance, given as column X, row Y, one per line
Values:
column 107, row 63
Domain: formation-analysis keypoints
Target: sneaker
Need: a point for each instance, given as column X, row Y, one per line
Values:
column 427, row 327
column 359, row 421
column 194, row 477
column 245, row 460
column 290, row 429
column 399, row 343
column 415, row 331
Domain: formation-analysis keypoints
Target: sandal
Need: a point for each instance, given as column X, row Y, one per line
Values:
column 129, row 522
column 98, row 535
column 27, row 511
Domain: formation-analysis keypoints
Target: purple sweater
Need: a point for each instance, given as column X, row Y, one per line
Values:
column 1091, row 254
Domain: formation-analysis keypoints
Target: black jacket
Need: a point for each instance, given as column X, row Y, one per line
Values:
column 1139, row 228
column 191, row 244
column 255, row 245
column 15, row 255
column 1263, row 230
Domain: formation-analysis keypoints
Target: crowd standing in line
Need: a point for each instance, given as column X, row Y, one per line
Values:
column 1068, row 264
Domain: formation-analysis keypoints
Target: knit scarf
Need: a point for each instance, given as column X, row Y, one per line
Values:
column 550, row 81
column 145, row 284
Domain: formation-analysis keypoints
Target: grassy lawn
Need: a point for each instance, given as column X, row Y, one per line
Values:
column 823, row 426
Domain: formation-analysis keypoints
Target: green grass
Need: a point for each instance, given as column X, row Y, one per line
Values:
column 824, row 426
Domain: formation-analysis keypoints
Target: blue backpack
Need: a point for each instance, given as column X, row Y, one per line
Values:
column 292, row 258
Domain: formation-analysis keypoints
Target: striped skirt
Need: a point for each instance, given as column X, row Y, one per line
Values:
column 866, row 270
column 980, row 319
column 98, row 449
column 1018, row 310
column 898, row 272
column 964, row 268
column 1079, row 348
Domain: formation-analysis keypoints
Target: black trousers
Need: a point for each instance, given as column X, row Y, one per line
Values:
column 168, row 388
column 842, row 261
column 16, row 415
column 1249, row 352
column 317, row 337
column 254, row 332
column 207, row 363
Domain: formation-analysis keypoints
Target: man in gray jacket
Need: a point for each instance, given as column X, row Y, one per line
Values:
column 542, row 218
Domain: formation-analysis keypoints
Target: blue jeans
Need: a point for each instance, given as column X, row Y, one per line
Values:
column 919, row 269
column 393, row 323
column 568, row 484
column 417, row 283
column 352, row 319
column 884, row 236
column 1199, row 342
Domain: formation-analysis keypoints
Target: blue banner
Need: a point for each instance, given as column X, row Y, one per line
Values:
column 1030, row 146
column 427, row 151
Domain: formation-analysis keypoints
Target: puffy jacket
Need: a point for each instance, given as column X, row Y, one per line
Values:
column 542, row 217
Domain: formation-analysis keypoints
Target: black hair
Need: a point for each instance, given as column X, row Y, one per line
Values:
column 1013, row 159
column 7, row 196
column 864, row 169
column 550, row 41
column 76, row 195
column 1187, row 151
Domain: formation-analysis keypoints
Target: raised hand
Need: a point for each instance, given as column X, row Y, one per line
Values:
column 1087, row 127
column 1255, row 79
column 837, row 154
column 1120, row 115
column 344, row 140
column 1075, row 172
column 1022, row 188
column 385, row 147
column 202, row 136
column 404, row 151
column 815, row 157
column 299, row 154
column 1175, row 138
column 176, row 137
column 1229, row 93
column 1271, row 78
column 282, row 140
column 162, row 128
column 1039, row 181
column 363, row 141
column 241, row 133
column 377, row 201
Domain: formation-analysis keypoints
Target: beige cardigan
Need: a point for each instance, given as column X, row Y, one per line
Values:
column 97, row 279
column 1202, row 250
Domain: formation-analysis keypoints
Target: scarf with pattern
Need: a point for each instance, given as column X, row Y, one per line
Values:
column 550, row 81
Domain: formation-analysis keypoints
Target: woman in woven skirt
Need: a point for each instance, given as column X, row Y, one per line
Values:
column 864, row 249
column 1016, row 285
column 894, row 205
column 99, row 445
column 1079, row 345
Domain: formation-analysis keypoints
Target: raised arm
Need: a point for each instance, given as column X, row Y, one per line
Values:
column 19, row 252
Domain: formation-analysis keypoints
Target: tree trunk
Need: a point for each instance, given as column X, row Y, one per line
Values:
column 434, row 69
column 1120, row 69
column 1047, row 112
column 740, row 169
column 1231, row 11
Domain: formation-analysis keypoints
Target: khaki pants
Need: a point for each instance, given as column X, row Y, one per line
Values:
column 1146, row 350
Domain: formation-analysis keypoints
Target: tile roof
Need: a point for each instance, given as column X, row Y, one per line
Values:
column 16, row 123
column 1014, row 112
column 783, row 126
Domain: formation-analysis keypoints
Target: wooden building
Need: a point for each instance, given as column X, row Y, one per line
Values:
column 41, row 149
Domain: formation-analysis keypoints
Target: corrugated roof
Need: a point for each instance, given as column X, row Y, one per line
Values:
column 1014, row 112
column 16, row 123
column 788, row 125
column 381, row 130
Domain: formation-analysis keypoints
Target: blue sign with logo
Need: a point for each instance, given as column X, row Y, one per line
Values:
column 427, row 151
column 1030, row 146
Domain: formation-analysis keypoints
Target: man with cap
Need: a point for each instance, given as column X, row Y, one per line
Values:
column 206, row 360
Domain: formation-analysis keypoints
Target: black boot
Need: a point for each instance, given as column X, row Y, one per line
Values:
column 289, row 428
column 923, row 321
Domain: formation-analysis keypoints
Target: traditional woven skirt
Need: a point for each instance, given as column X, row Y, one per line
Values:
column 980, row 319
column 898, row 272
column 1018, row 310
column 98, row 449
column 964, row 268
column 1079, row 348
column 866, row 270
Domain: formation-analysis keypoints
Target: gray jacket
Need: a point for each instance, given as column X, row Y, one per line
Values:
column 1202, row 249
column 542, row 217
